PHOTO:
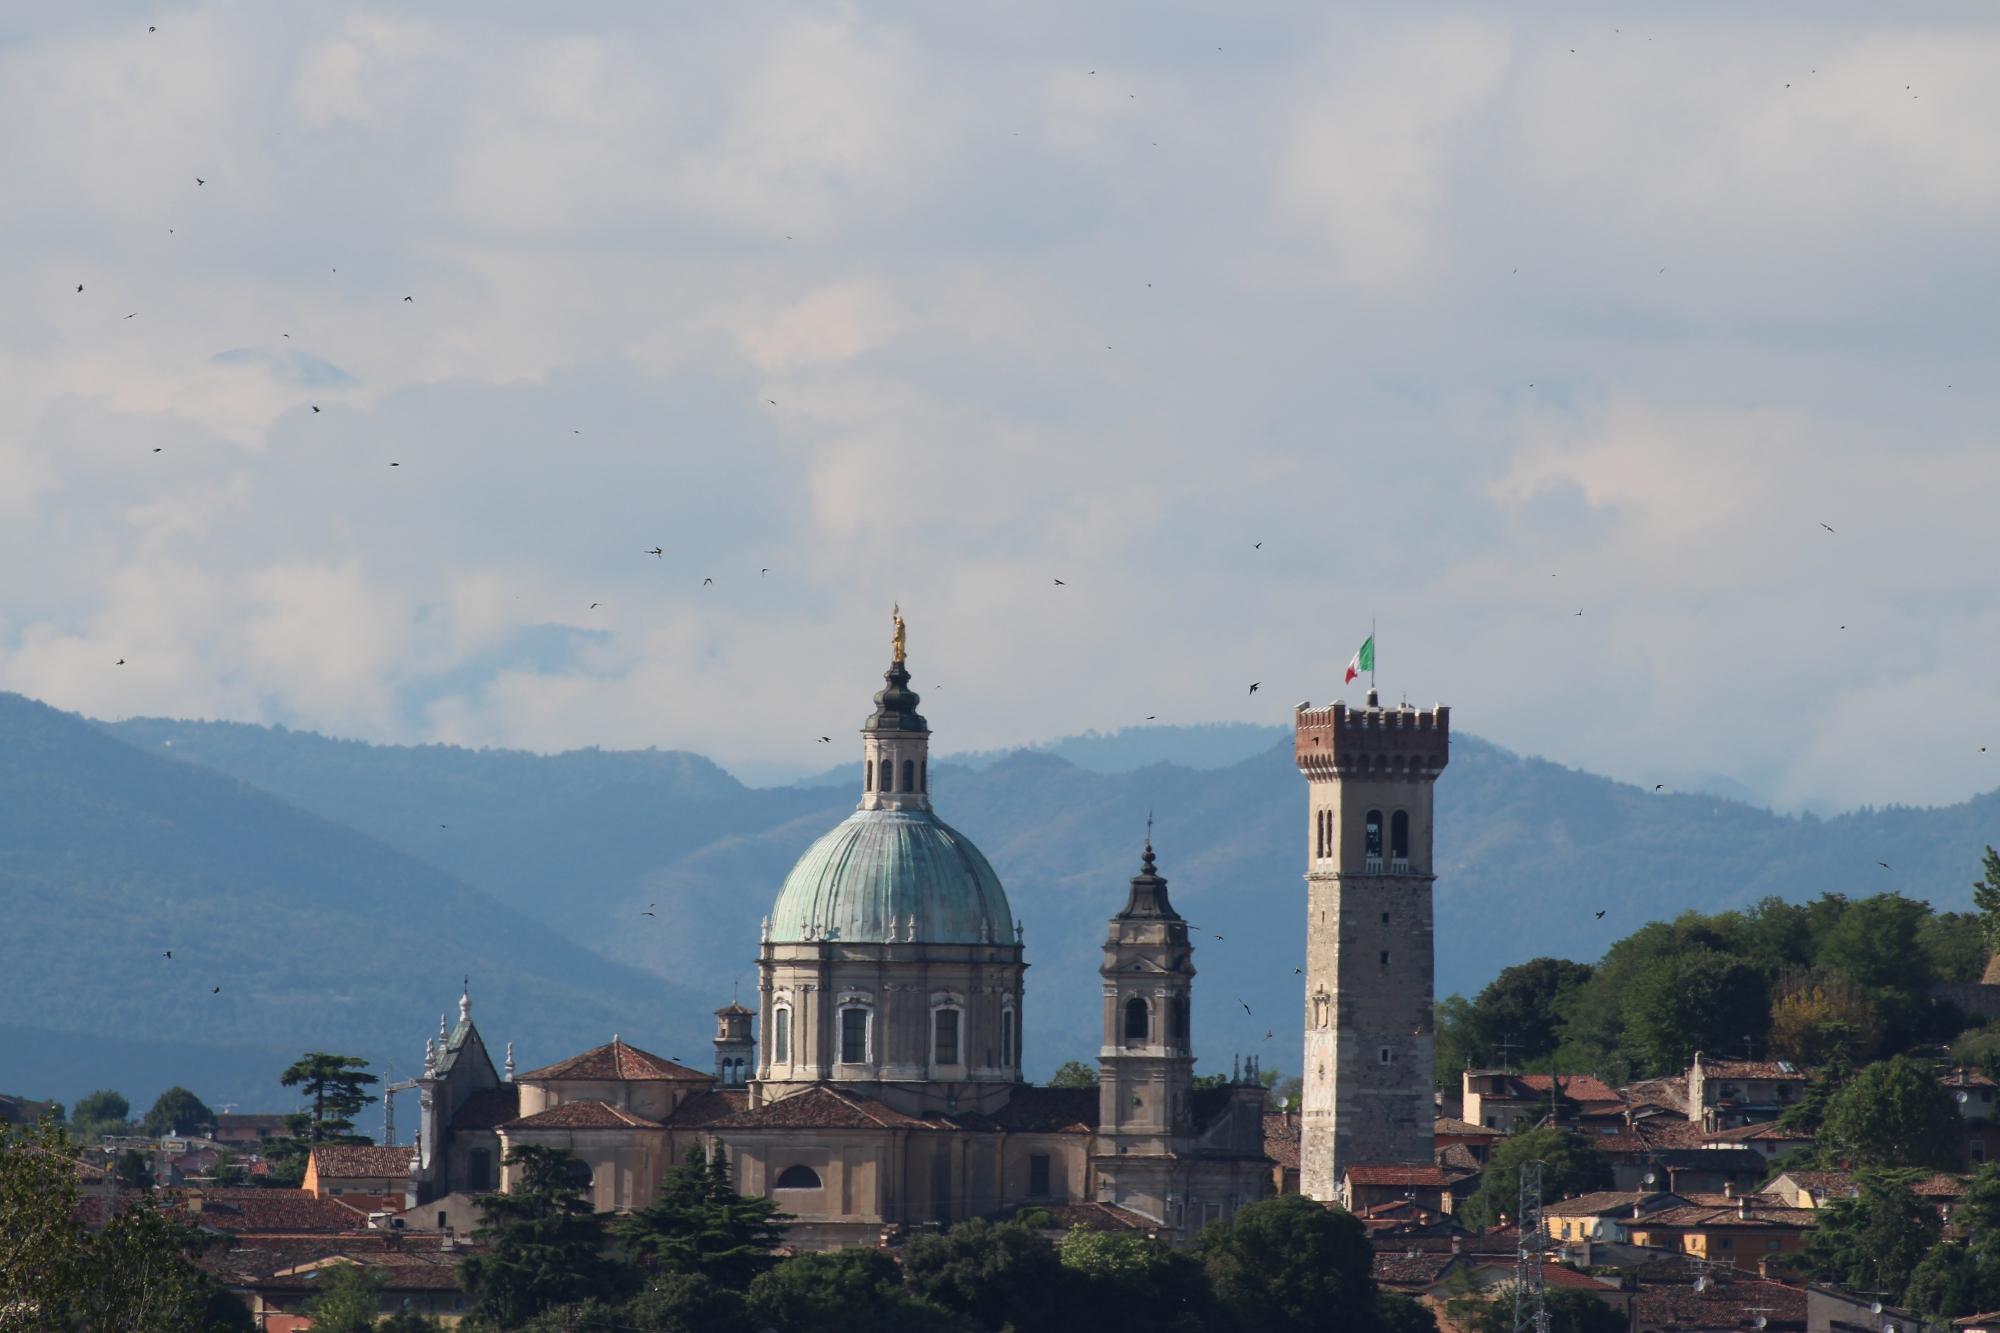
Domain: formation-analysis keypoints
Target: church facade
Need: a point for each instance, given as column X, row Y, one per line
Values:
column 877, row 1085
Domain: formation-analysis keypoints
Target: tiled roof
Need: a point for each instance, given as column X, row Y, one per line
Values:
column 489, row 1108
column 407, row 1261
column 1727, row 1302
column 1450, row 1125
column 1940, row 1186
column 1967, row 1078
column 1576, row 1087
column 1695, row 1216
column 705, row 1108
column 1606, row 1203
column 1453, row 1157
column 614, row 1060
column 1397, row 1175
column 1396, row 1267
column 1779, row 1071
column 1049, row 1111
column 1669, row 1092
column 1762, row 1132
column 1281, row 1140
column 267, row 1210
column 583, row 1115
column 346, row 1161
column 820, row 1107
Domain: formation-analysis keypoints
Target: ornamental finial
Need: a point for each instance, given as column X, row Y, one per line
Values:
column 899, row 642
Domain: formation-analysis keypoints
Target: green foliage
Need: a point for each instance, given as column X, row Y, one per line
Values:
column 1962, row 1277
column 547, row 1244
column 699, row 1224
column 1518, row 1013
column 1986, row 898
column 1397, row 1313
column 1893, row 1113
column 1571, row 1164
column 1701, row 999
column 349, row 1297
column 1287, row 1265
column 409, row 1321
column 1570, row 1311
column 846, row 1291
column 1875, row 1241
column 102, row 1105
column 1126, row 1281
column 1954, row 945
column 996, row 1276
column 178, row 1111
column 1074, row 1074
column 138, row 1272
column 1808, row 1113
column 1819, row 1014
column 336, row 1088
column 132, row 1171
column 686, row 1303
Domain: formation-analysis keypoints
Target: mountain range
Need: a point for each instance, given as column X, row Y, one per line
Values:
column 339, row 891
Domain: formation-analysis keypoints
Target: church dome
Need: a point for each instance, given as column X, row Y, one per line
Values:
column 864, row 881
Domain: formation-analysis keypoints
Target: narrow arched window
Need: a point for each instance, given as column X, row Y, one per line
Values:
column 909, row 775
column 1373, row 830
column 1180, row 1013
column 853, row 1036
column 798, row 1176
column 1007, row 1056
column 944, row 1036
column 867, row 776
column 1135, row 1019
column 781, row 1036
column 888, row 774
column 924, row 775
column 1399, row 835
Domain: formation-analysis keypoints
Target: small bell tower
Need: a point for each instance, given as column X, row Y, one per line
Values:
column 735, row 1045
column 895, row 740
column 1146, row 1064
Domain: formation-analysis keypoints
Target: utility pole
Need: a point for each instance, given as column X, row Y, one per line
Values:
column 1531, row 1307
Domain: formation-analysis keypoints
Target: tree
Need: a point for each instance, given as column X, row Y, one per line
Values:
column 1873, row 1242
column 1986, row 898
column 348, row 1300
column 686, row 1303
column 1455, row 1043
column 1570, row 1311
column 1518, row 1010
column 700, row 1224
column 1074, row 1074
column 1127, row 1281
column 997, row 1275
column 132, row 1170
column 1962, row 1277
column 1820, row 1013
column 1571, row 1164
column 178, row 1111
column 408, row 1321
column 547, row 1246
column 1687, row 1002
column 335, row 1085
column 1808, row 1113
column 1289, row 1265
column 1893, row 1113
column 1954, row 945
column 102, row 1112
column 845, row 1291
column 1397, row 1313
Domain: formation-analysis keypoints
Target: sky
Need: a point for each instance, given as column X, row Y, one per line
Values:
column 1549, row 340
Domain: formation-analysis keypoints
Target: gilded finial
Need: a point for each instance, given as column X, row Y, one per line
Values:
column 896, row 613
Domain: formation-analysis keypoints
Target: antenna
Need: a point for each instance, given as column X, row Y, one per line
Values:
column 1531, row 1307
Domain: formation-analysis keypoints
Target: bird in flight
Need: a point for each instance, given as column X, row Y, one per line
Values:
column 395, row 465
column 216, row 991
column 1258, row 547
column 1061, row 584
column 706, row 582
column 649, row 914
column 119, row 662
column 1254, row 684
column 199, row 181
column 1824, row 526
column 762, row 572
column 1267, row 1034
column 133, row 315
column 79, row 286
column 595, row 605
column 170, row 953
column 826, row 740
column 1658, row 785
column 1151, row 716
column 410, row 299
column 1579, row 610
column 1883, row 864
column 156, row 448
column 655, row 553
column 1246, row 1007
column 1600, row 915
column 315, row 407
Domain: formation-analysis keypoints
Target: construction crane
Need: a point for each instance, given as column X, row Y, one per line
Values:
column 389, row 1091
column 1531, row 1306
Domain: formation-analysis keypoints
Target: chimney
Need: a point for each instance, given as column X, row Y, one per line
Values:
column 1743, row 1209
column 1728, row 1189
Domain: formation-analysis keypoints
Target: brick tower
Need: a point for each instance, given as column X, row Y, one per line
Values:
column 1368, row 1075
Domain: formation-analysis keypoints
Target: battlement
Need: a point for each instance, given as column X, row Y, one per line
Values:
column 1391, row 742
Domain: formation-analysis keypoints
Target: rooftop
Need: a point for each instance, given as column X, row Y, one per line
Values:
column 614, row 1062
column 343, row 1161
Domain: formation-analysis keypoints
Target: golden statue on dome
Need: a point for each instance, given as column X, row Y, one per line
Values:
column 896, row 613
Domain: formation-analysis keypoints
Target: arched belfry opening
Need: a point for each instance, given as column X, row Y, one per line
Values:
column 1137, row 1020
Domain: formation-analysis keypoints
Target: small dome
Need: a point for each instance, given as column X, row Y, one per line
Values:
column 863, row 881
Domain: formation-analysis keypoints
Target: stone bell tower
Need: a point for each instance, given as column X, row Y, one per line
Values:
column 1146, row 1064
column 1368, row 1050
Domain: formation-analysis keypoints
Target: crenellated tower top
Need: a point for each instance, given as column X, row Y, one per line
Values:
column 1373, row 741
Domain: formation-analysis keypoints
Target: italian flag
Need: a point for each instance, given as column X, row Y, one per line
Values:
column 1363, row 659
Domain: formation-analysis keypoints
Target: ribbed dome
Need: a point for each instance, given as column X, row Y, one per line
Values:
column 863, row 881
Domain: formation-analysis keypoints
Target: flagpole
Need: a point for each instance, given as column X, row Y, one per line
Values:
column 1373, row 649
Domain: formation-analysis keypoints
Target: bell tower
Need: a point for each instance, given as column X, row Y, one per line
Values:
column 1368, row 1050
column 1146, row 1065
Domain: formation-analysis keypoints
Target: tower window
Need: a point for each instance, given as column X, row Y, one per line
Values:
column 1038, row 1175
column 1135, row 1019
column 1385, row 958
column 781, row 1036
column 909, row 775
column 1007, row 1056
column 1399, row 835
column 1385, row 918
column 924, row 775
column 1385, row 1055
column 797, row 1177
column 479, row 1169
column 853, row 1036
column 888, row 774
column 867, row 776
column 1179, row 1010
column 944, row 1037
column 1373, row 828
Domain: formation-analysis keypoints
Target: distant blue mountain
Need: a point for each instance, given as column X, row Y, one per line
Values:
column 579, row 844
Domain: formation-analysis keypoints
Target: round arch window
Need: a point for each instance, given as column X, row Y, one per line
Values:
column 798, row 1176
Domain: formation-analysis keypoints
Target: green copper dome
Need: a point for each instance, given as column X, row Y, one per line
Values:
column 864, row 881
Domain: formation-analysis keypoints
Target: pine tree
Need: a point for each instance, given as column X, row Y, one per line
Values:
column 699, row 1224
column 547, row 1245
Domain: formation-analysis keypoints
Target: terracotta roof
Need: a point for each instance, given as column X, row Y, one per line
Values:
column 1281, row 1140
column 266, row 1210
column 1396, row 1267
column 489, row 1108
column 1669, row 1092
column 1453, row 1156
column 1397, row 1175
column 408, row 1261
column 1450, row 1125
column 1607, row 1203
column 1940, row 1186
column 1695, row 1216
column 820, row 1107
column 614, row 1060
column 1762, row 1131
column 704, row 1108
column 583, row 1115
column 1778, row 1071
column 1575, row 1087
column 346, row 1161
column 1049, row 1111
column 1728, row 1302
